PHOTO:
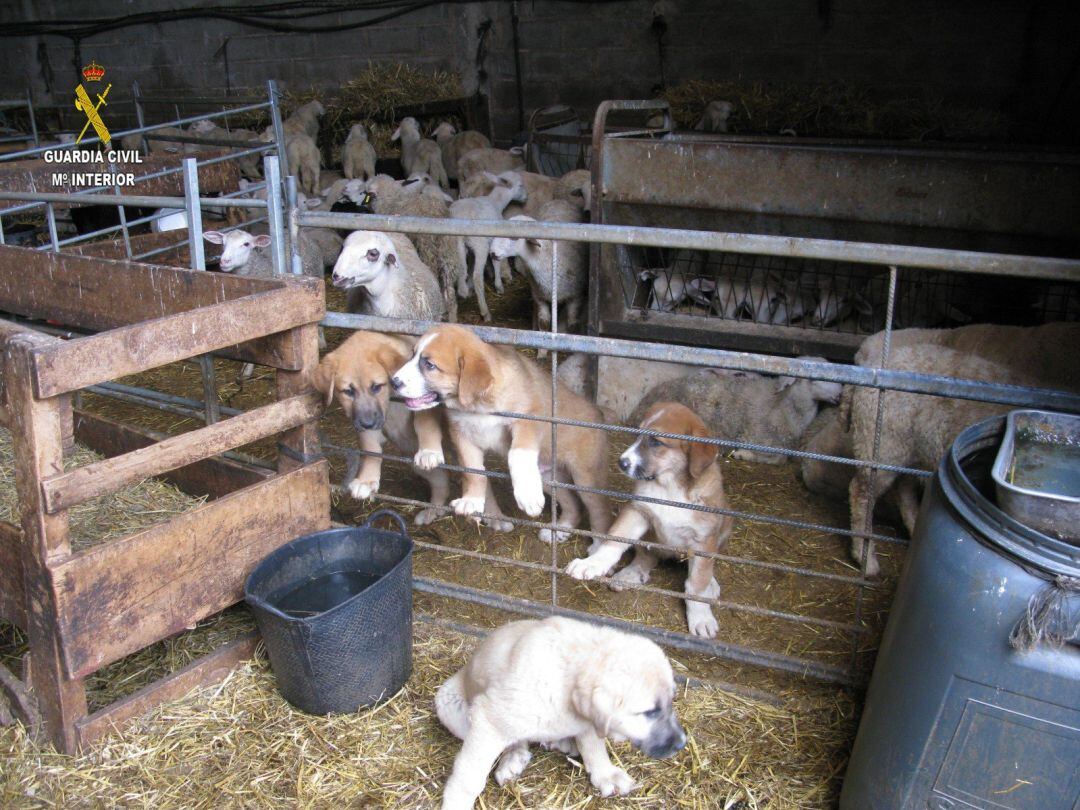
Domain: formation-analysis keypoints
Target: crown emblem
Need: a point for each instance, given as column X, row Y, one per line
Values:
column 93, row 72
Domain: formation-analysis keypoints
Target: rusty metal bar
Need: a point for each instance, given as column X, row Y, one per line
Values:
column 130, row 199
column 910, row 381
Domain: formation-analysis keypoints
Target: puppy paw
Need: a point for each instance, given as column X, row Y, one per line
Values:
column 553, row 537
column 612, row 782
column 512, row 763
column 429, row 459
column 744, row 455
column 426, row 516
column 530, row 497
column 586, row 568
column 468, row 506
column 362, row 490
column 498, row 524
column 631, row 575
column 701, row 620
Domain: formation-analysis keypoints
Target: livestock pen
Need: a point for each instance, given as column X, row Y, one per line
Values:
column 792, row 611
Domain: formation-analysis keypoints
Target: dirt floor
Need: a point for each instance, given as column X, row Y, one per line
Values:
column 306, row 762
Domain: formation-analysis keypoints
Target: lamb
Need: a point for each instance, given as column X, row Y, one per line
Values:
column 454, row 144
column 304, row 158
column 575, row 187
column 245, row 254
column 747, row 407
column 478, row 161
column 419, row 154
column 507, row 188
column 358, row 155
column 385, row 277
column 439, row 252
column 715, row 117
column 569, row 260
column 539, row 188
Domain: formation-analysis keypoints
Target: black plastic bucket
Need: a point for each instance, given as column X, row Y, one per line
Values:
column 335, row 611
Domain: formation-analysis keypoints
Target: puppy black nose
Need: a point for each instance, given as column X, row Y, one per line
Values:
column 396, row 382
column 624, row 464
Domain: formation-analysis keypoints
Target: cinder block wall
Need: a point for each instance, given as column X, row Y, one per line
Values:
column 1019, row 58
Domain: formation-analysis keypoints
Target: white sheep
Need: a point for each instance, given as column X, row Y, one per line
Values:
column 478, row 161
column 358, row 155
column 246, row 254
column 419, row 154
column 439, row 252
column 568, row 260
column 715, row 117
column 386, row 269
column 454, row 144
column 507, row 187
column 576, row 187
column 303, row 156
column 306, row 119
column 539, row 188
column 747, row 407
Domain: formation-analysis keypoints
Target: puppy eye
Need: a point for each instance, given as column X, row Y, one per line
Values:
column 654, row 442
column 377, row 387
column 652, row 713
column 350, row 391
column 373, row 255
column 427, row 365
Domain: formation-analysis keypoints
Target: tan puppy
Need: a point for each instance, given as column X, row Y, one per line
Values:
column 452, row 366
column 358, row 374
column 562, row 683
column 674, row 470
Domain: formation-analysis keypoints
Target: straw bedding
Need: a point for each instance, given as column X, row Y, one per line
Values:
column 239, row 744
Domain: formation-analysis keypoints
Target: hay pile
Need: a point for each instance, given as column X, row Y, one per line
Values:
column 239, row 744
column 133, row 508
column 834, row 111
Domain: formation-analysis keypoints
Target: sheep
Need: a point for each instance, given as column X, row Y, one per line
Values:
column 385, row 277
column 134, row 141
column 478, row 161
column 507, row 187
column 248, row 164
column 245, row 254
column 304, row 158
column 747, row 407
column 575, row 187
column 439, row 252
column 827, row 435
column 454, row 144
column 358, row 155
column 765, row 296
column 539, row 188
column 569, row 260
column 715, row 117
column 419, row 154
column 305, row 118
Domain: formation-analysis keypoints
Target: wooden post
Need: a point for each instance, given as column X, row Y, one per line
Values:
column 302, row 441
column 37, row 438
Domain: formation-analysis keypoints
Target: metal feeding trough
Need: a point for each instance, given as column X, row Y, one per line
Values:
column 1037, row 472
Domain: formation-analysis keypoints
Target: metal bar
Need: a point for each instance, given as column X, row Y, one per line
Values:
column 33, row 119
column 271, row 170
column 893, row 380
column 122, row 213
column 669, row 638
column 296, row 265
column 222, row 100
column 129, row 199
column 206, row 141
column 139, row 115
column 962, row 261
column 197, row 252
column 274, row 101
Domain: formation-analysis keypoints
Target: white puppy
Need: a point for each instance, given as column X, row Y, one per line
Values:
column 562, row 683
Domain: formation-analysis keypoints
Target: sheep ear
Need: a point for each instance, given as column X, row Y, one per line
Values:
column 262, row 241
column 216, row 237
column 474, row 378
column 493, row 178
column 391, row 259
column 701, row 455
column 784, row 383
column 533, row 243
column 647, row 275
column 397, row 134
column 517, row 150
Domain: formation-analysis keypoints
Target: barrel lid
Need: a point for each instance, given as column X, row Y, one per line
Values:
column 1033, row 548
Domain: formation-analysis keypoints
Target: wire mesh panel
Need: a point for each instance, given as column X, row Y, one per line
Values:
column 558, row 142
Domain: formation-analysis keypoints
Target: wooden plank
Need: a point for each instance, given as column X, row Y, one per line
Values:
column 119, row 597
column 211, row 478
column 82, row 290
column 201, row 672
column 37, row 441
column 67, row 489
column 12, row 592
column 302, row 442
column 177, row 256
column 132, row 349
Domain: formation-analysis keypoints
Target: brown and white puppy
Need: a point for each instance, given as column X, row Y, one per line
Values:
column 357, row 374
column 453, row 367
column 674, row 470
column 564, row 684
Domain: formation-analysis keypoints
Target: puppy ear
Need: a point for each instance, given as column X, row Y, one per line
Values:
column 597, row 703
column 474, row 378
column 390, row 357
column 701, row 455
column 324, row 377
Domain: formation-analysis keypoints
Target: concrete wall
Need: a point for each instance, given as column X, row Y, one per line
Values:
column 998, row 54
